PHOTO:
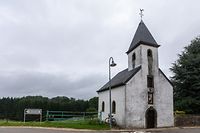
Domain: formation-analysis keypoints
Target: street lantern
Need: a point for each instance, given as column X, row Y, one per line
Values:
column 111, row 64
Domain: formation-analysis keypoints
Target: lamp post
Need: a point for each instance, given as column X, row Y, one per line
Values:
column 111, row 64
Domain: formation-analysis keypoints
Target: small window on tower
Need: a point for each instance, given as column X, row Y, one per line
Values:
column 150, row 81
column 133, row 60
column 149, row 53
column 150, row 61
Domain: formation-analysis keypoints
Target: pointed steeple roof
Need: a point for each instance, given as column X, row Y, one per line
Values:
column 142, row 36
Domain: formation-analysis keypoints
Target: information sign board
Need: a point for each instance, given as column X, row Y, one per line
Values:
column 32, row 112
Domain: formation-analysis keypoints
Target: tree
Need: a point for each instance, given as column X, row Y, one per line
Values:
column 93, row 103
column 186, row 78
column 13, row 108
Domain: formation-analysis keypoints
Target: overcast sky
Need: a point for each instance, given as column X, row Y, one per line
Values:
column 61, row 47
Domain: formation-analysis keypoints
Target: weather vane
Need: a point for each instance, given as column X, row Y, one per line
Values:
column 141, row 13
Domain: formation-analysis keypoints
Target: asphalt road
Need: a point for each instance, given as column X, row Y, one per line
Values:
column 40, row 130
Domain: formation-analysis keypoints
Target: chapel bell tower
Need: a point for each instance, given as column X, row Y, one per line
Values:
column 143, row 52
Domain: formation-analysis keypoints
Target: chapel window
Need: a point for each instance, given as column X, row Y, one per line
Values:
column 149, row 53
column 133, row 60
column 150, row 61
column 113, row 107
column 103, row 106
column 150, row 81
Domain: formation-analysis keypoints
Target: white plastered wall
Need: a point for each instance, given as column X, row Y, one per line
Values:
column 164, row 102
column 118, row 95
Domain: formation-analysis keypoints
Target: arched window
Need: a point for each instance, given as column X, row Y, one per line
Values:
column 103, row 106
column 133, row 60
column 113, row 107
column 149, row 53
column 150, row 61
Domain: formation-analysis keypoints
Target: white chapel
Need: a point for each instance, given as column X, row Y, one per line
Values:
column 142, row 96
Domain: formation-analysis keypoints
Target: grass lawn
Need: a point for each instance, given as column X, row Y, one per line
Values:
column 78, row 124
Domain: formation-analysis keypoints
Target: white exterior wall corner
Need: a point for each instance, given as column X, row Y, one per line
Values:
column 164, row 102
column 136, row 98
column 118, row 95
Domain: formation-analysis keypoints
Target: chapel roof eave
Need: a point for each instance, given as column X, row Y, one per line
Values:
column 113, row 87
column 166, row 77
column 144, row 43
column 120, row 79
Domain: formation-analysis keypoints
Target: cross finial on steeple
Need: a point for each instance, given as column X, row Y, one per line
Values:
column 141, row 13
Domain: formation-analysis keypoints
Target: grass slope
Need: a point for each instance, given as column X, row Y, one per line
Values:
column 81, row 124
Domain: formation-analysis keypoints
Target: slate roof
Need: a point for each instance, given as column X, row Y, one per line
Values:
column 120, row 79
column 142, row 35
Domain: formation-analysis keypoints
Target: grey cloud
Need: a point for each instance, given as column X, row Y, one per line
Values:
column 47, row 46
column 35, row 83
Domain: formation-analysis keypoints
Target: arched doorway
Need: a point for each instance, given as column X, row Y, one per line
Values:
column 151, row 118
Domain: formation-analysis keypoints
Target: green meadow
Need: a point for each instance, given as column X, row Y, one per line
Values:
column 77, row 124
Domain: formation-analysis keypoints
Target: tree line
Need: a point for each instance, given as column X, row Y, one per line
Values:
column 186, row 79
column 13, row 108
